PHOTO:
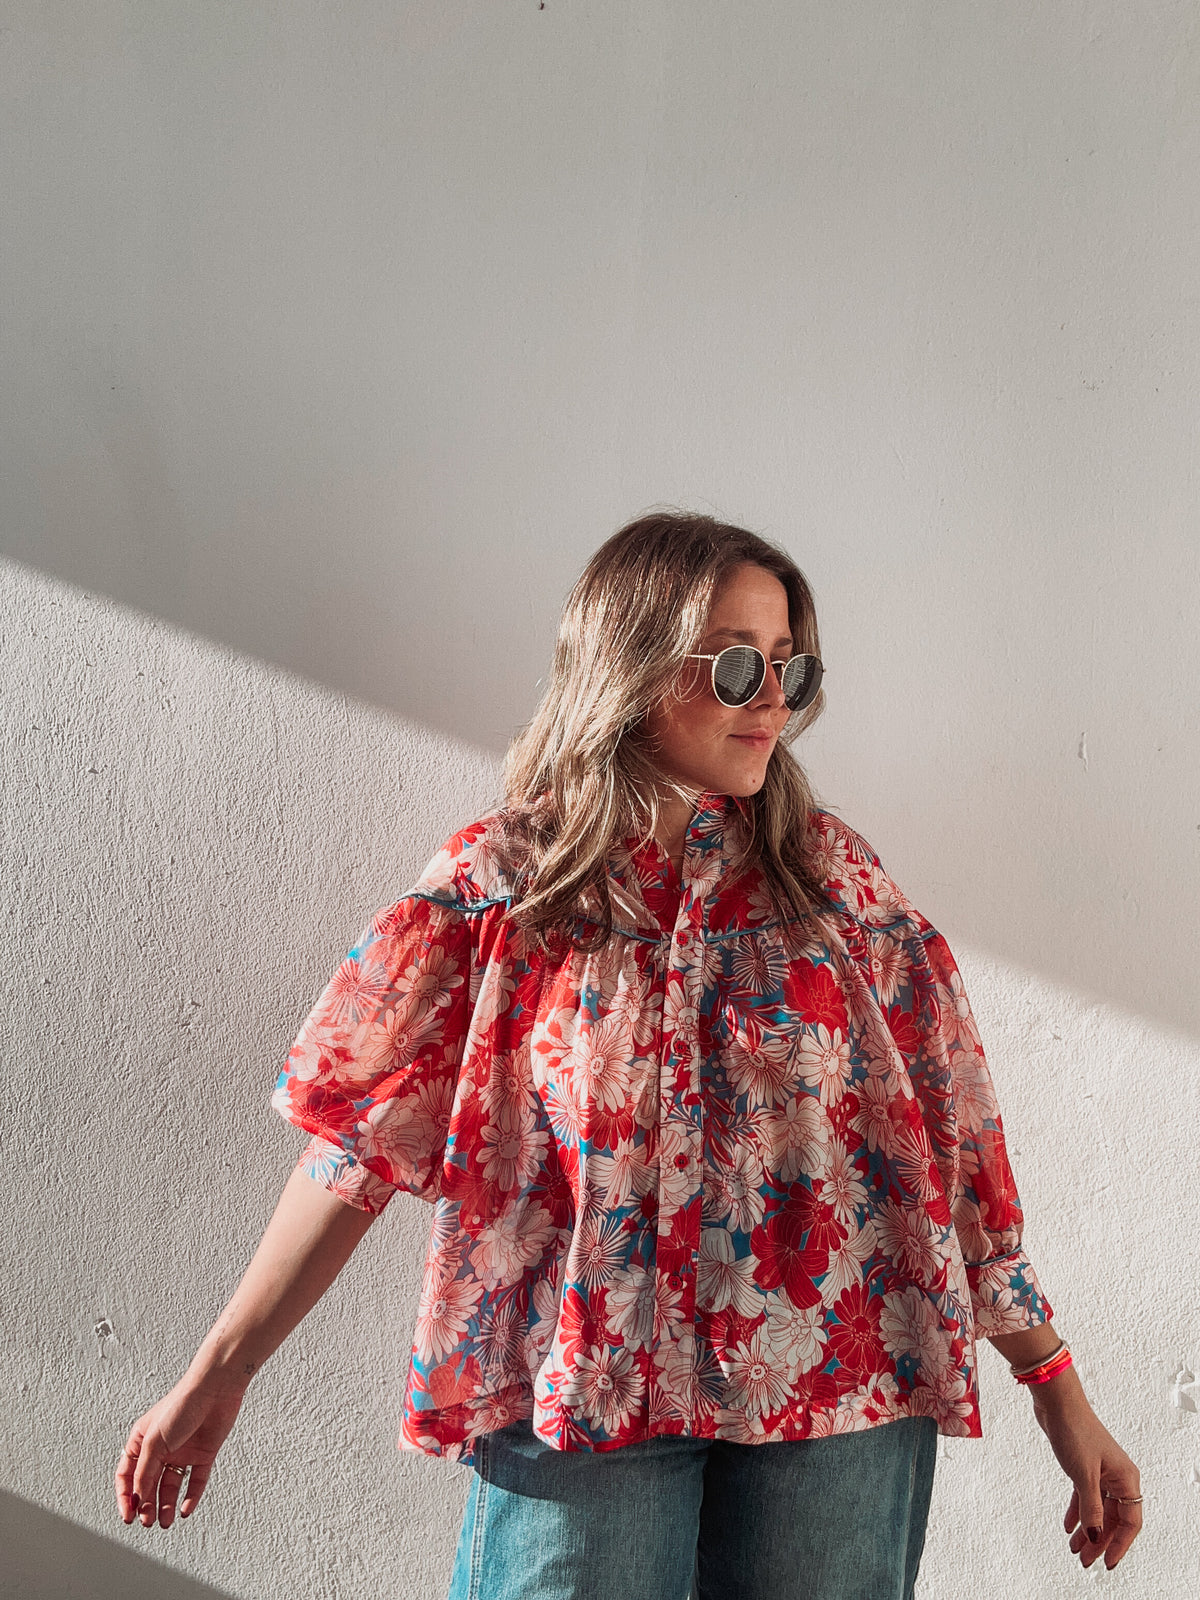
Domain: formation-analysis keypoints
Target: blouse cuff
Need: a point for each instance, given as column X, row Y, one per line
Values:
column 1006, row 1296
column 334, row 1169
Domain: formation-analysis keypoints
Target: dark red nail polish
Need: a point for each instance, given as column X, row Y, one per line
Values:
column 1094, row 1535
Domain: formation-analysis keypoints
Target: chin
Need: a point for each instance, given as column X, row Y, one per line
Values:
column 743, row 785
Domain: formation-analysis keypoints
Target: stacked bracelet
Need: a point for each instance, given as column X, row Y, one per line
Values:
column 1049, row 1367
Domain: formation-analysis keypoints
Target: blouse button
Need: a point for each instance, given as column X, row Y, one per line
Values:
column 681, row 1161
column 675, row 1281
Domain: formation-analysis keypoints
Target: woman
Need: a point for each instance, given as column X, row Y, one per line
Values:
column 721, row 1197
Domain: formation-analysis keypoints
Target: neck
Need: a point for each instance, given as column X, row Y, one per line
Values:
column 674, row 814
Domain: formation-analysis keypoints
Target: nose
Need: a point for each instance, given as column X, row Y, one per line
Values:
column 770, row 695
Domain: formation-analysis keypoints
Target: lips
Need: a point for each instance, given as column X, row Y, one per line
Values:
column 760, row 739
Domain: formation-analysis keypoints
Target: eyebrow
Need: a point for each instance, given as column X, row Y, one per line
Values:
column 743, row 636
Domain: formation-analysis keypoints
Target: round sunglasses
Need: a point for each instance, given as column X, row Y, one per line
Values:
column 739, row 671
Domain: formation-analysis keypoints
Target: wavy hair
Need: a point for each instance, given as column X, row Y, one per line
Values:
column 580, row 777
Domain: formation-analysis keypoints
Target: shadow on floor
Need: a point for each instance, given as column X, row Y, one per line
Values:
column 46, row 1557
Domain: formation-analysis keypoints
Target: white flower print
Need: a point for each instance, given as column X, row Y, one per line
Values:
column 680, row 1016
column 625, row 1175
column 911, row 1240
column 873, row 1118
column 875, row 1399
column 795, row 1335
column 444, row 1313
column 733, row 1189
column 842, row 1188
column 885, row 902
column 760, row 907
column 565, row 1113
column 822, row 1059
column 799, row 1135
column 396, row 1130
column 501, row 1341
column 392, row 1041
column 846, row 1263
column 357, row 989
column 723, row 1280
column 605, row 1386
column 492, row 1001
column 597, row 1250
column 630, row 1303
column 543, row 1320
column 509, row 1082
column 431, row 980
column 942, row 1395
column 513, row 1148
column 493, row 1413
column 668, row 1313
column 909, row 1325
column 676, row 1139
column 738, row 1428
column 633, row 1005
column 958, row 1021
column 436, row 1098
column 441, row 871
column 973, row 1094
column 912, row 1155
column 758, row 1382
column 504, row 1248
column 762, row 1072
column 689, row 1376
column 598, row 1066
column 551, row 1040
column 891, row 967
column 758, row 965
column 994, row 1305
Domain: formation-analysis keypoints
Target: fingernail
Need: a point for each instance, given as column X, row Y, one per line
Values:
column 1094, row 1535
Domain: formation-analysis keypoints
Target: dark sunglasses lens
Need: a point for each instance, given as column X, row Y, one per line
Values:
column 801, row 681
column 738, row 674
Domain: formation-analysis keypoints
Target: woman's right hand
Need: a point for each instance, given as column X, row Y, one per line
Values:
column 185, row 1429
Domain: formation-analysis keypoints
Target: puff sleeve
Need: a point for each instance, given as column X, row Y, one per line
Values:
column 373, row 1070
column 930, row 1020
column 951, row 1079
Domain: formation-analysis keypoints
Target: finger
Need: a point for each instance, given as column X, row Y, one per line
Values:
column 168, row 1494
column 123, row 1479
column 1126, row 1531
column 1091, row 1509
column 195, row 1488
column 145, row 1480
column 1071, row 1520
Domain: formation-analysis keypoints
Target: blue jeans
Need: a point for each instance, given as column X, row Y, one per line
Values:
column 841, row 1518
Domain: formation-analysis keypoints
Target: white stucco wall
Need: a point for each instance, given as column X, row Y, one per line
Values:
column 333, row 341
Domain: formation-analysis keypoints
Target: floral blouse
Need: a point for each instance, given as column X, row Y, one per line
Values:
column 721, row 1178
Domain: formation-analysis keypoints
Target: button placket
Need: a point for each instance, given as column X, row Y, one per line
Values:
column 680, row 1115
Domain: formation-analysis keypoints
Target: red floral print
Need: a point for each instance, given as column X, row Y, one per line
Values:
column 709, row 1180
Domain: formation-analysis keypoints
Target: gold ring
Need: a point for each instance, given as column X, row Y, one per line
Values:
column 1122, row 1500
column 172, row 1468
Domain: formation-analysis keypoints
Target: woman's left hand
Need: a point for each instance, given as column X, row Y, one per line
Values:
column 1100, row 1518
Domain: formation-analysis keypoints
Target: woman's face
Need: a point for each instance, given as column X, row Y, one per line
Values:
column 719, row 748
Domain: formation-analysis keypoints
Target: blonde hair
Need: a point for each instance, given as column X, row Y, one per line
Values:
column 578, row 778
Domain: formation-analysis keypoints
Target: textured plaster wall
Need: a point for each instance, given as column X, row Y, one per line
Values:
column 334, row 339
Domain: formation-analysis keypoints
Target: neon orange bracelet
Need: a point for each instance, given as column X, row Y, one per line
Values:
column 1058, row 1362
